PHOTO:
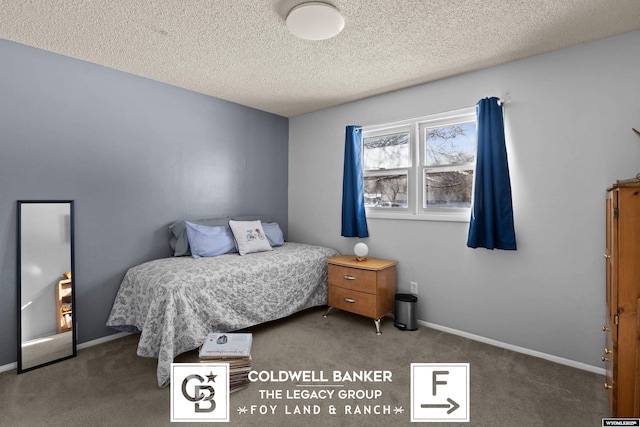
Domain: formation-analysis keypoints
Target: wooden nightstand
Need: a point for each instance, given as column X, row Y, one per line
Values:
column 363, row 287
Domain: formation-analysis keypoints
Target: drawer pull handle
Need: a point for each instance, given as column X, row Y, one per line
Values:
column 350, row 300
column 604, row 359
column 349, row 277
column 607, row 386
column 607, row 351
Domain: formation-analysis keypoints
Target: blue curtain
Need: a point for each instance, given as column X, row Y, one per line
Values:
column 492, row 212
column 354, row 221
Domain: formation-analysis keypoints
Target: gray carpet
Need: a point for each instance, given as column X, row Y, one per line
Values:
column 109, row 385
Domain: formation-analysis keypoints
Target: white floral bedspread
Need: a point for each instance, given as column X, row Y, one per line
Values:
column 175, row 302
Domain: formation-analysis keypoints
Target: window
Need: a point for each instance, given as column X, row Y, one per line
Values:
column 386, row 160
column 421, row 168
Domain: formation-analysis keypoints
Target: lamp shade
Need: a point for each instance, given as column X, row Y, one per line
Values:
column 361, row 250
column 315, row 21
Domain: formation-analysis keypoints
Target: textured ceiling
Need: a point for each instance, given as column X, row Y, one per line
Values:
column 241, row 50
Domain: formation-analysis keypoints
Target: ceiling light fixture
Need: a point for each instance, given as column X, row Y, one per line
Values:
column 315, row 21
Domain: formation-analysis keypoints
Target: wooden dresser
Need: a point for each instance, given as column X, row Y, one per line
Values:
column 622, row 351
column 363, row 287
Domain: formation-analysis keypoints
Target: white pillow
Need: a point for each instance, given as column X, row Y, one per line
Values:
column 249, row 236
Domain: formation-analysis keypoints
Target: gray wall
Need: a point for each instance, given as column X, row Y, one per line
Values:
column 135, row 155
column 568, row 138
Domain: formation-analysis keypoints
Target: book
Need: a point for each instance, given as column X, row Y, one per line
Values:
column 238, row 388
column 231, row 348
column 237, row 365
column 222, row 346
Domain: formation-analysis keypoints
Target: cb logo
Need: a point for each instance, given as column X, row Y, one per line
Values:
column 199, row 397
column 200, row 392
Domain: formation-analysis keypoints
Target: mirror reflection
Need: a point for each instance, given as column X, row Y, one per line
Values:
column 45, row 283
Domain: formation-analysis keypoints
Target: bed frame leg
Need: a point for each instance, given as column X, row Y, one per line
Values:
column 327, row 312
column 377, row 322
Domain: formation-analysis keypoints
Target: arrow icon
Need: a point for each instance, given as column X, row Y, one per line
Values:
column 452, row 405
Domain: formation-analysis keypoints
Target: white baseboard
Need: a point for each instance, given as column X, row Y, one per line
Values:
column 14, row 365
column 517, row 349
column 102, row 340
column 9, row 366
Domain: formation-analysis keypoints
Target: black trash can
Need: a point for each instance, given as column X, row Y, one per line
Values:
column 405, row 313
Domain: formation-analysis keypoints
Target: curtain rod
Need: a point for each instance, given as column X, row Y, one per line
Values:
column 505, row 100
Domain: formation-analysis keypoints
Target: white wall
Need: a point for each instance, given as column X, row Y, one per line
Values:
column 568, row 138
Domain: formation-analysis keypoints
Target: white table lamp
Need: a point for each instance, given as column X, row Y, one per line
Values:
column 361, row 250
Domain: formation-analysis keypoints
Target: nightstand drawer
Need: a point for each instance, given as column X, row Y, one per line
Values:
column 353, row 301
column 353, row 278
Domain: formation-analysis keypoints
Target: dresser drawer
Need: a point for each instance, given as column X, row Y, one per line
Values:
column 354, row 301
column 353, row 278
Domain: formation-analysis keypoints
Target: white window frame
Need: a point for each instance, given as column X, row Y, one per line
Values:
column 415, row 172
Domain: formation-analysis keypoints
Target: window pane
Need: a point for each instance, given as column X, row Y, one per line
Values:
column 448, row 189
column 386, row 191
column 450, row 145
column 387, row 152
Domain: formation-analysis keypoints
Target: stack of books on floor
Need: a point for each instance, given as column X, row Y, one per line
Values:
column 231, row 348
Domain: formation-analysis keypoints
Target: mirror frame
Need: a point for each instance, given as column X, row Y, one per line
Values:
column 21, row 369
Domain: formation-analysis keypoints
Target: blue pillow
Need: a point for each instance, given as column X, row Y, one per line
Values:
column 207, row 241
column 274, row 233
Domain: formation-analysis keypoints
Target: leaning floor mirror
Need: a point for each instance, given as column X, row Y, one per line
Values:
column 46, row 300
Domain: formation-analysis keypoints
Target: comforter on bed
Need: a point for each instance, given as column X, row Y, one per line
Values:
column 175, row 302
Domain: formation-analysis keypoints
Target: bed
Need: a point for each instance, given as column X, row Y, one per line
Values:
column 174, row 302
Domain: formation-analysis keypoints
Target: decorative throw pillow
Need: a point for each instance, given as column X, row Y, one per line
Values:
column 250, row 236
column 209, row 241
column 274, row 233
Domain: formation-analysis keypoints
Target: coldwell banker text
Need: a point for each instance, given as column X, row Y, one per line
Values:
column 319, row 376
column 316, row 390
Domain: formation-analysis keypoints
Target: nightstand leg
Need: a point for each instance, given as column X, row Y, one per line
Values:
column 377, row 322
column 327, row 312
